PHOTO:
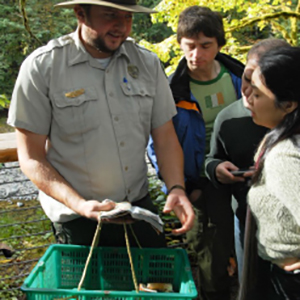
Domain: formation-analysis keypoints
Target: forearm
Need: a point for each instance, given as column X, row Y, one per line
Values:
column 48, row 180
column 170, row 162
column 169, row 155
column 33, row 162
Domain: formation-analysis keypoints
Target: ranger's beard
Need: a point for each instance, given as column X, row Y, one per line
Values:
column 100, row 46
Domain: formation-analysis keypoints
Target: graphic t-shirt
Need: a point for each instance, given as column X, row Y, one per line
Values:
column 213, row 96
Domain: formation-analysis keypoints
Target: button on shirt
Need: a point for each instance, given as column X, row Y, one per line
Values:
column 98, row 120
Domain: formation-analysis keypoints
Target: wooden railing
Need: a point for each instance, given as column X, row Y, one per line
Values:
column 8, row 147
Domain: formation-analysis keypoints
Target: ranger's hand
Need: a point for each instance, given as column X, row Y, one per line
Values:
column 91, row 209
column 178, row 202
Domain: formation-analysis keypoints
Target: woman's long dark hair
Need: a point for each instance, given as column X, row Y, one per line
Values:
column 280, row 71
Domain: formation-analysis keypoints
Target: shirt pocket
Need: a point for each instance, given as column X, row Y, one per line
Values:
column 139, row 98
column 76, row 111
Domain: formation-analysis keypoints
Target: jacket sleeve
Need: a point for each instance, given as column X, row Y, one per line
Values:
column 153, row 161
column 217, row 153
column 237, row 83
column 152, row 156
column 190, row 129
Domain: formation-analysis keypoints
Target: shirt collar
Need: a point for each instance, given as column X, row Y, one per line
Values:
column 123, row 49
column 78, row 53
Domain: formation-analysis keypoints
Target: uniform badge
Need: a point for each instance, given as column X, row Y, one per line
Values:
column 133, row 71
column 75, row 94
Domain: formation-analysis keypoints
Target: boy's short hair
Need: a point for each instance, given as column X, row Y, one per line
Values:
column 196, row 19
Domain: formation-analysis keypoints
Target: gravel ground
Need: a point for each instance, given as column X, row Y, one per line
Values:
column 14, row 184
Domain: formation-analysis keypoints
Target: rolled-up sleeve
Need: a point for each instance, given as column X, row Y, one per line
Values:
column 30, row 106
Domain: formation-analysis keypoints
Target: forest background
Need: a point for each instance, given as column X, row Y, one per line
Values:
column 27, row 24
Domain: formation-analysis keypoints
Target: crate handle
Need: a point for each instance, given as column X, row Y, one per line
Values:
column 94, row 242
column 130, row 260
column 68, row 298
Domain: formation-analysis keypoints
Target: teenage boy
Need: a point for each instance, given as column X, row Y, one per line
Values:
column 205, row 82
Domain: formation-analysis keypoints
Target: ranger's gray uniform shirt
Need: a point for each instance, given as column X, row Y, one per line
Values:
column 98, row 120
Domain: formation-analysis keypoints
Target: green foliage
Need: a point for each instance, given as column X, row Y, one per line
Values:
column 4, row 127
column 245, row 22
column 159, row 198
column 144, row 28
column 10, row 47
column 44, row 22
column 23, row 30
column 155, row 192
column 17, row 228
column 6, row 293
column 170, row 220
column 16, row 42
column 4, row 102
column 27, row 226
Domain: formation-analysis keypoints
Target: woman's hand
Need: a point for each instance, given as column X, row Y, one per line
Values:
column 289, row 264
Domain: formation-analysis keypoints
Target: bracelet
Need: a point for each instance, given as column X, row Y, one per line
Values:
column 176, row 186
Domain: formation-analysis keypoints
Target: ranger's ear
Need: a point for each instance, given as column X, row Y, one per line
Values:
column 80, row 14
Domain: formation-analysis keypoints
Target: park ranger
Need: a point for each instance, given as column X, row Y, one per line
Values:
column 83, row 107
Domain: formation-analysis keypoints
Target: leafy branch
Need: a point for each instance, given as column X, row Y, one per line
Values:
column 22, row 4
column 267, row 17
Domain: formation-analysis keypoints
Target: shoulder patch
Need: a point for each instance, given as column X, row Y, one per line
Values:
column 55, row 43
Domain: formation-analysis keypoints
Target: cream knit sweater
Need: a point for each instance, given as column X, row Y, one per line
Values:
column 275, row 203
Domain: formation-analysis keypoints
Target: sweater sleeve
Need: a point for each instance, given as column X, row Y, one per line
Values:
column 282, row 171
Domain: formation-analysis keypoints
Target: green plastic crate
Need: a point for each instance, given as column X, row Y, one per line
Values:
column 58, row 272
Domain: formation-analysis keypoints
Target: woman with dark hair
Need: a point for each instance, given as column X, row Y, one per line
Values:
column 274, row 197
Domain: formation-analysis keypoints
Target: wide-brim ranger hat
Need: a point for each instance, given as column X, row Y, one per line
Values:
column 127, row 5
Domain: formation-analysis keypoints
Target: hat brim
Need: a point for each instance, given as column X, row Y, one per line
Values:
column 131, row 8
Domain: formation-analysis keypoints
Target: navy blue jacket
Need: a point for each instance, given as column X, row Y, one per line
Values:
column 189, row 123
